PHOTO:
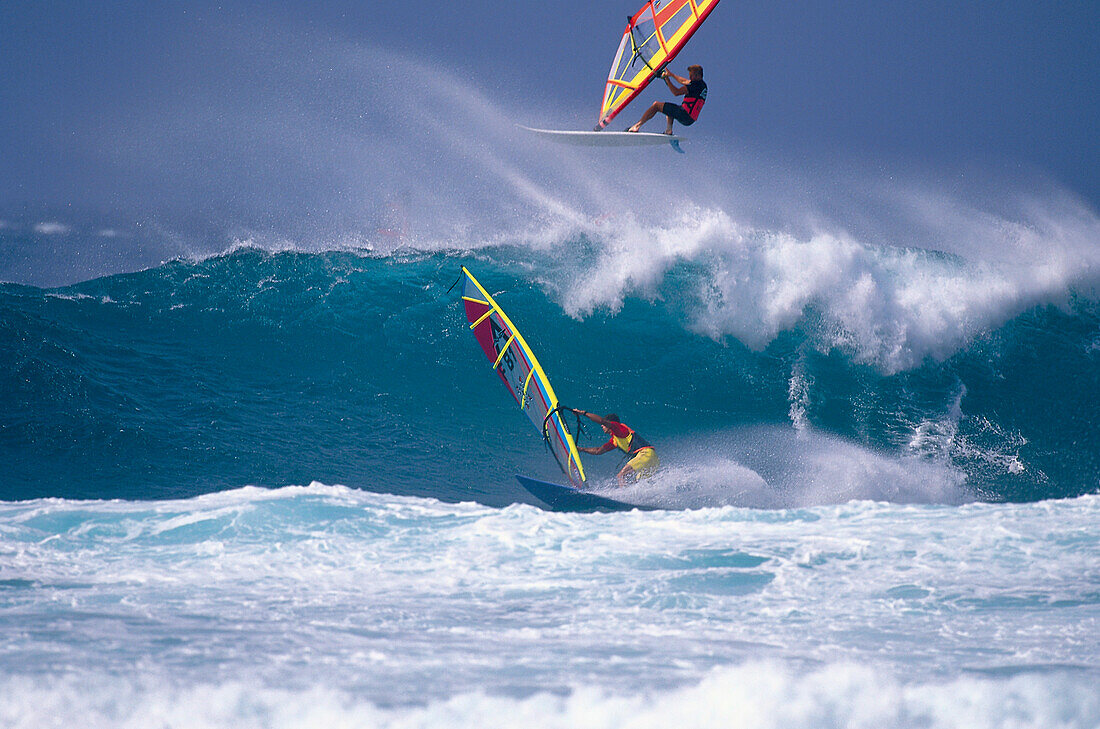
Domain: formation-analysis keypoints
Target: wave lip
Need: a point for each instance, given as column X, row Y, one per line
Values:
column 888, row 306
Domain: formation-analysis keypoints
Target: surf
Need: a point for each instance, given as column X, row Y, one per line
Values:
column 416, row 608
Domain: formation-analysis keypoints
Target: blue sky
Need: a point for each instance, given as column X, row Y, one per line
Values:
column 1010, row 87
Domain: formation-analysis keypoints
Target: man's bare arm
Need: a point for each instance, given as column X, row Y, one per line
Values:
column 677, row 90
column 592, row 416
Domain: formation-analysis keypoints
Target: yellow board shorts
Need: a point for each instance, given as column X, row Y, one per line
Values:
column 644, row 463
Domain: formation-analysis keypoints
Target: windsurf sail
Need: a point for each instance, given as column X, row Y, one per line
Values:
column 653, row 37
column 521, row 373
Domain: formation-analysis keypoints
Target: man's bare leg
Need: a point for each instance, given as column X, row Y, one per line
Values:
column 621, row 477
column 649, row 114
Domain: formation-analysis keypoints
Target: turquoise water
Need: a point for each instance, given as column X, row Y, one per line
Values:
column 256, row 368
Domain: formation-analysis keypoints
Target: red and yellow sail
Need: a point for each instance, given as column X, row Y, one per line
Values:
column 521, row 373
column 653, row 37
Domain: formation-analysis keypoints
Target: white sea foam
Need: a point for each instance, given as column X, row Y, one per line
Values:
column 887, row 306
column 397, row 601
column 774, row 467
column 940, row 439
column 798, row 395
column 754, row 696
column 714, row 482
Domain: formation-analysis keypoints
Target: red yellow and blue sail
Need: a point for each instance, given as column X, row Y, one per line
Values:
column 653, row 37
column 521, row 373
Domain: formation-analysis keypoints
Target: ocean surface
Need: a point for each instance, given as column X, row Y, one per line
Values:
column 275, row 487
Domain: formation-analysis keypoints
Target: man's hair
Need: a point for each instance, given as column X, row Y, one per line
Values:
column 612, row 417
column 695, row 69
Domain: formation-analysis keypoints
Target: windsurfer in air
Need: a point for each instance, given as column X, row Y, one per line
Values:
column 643, row 457
column 694, row 91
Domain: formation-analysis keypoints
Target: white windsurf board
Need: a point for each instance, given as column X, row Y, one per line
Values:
column 607, row 139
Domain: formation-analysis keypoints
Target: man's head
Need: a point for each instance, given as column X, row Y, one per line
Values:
column 695, row 73
column 613, row 418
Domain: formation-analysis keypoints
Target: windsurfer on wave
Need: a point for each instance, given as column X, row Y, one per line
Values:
column 643, row 457
column 694, row 91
